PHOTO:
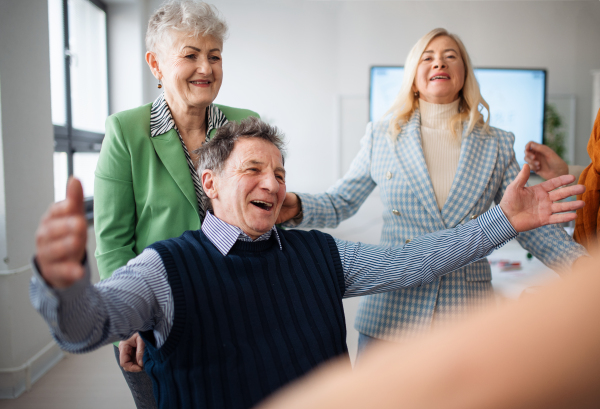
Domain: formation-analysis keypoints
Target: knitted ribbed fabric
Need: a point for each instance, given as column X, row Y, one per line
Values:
column 247, row 323
column 441, row 148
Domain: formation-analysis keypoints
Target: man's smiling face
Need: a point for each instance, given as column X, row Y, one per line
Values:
column 250, row 190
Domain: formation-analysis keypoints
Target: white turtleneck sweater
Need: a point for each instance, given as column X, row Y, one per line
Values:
column 440, row 147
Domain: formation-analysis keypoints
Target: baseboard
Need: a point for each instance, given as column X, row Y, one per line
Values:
column 15, row 381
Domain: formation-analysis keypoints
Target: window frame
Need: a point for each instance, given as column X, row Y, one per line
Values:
column 66, row 138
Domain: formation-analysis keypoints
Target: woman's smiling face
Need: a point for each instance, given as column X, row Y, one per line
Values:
column 191, row 70
column 441, row 72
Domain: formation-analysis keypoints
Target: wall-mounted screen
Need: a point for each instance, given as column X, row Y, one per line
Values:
column 516, row 98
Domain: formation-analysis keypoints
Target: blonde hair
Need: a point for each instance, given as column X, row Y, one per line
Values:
column 470, row 97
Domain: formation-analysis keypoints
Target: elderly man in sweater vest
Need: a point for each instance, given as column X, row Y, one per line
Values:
column 232, row 312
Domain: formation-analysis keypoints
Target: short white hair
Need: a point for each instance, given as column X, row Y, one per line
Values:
column 188, row 16
column 470, row 97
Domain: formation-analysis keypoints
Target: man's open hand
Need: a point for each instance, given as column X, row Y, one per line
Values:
column 60, row 239
column 528, row 208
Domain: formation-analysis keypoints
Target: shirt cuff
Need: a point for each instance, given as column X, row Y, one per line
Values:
column 496, row 227
column 55, row 296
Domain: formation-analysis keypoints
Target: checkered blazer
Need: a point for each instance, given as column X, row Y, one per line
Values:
column 486, row 167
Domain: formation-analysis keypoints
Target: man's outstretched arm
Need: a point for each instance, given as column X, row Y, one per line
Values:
column 83, row 317
column 370, row 269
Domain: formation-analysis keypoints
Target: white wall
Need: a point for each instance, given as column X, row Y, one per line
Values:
column 26, row 347
column 126, row 49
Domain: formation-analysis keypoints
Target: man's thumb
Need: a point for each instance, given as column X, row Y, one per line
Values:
column 75, row 195
column 523, row 176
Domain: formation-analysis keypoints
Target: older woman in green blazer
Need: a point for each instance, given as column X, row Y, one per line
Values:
column 146, row 187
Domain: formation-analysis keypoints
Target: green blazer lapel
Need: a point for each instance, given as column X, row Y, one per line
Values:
column 412, row 160
column 169, row 150
column 478, row 157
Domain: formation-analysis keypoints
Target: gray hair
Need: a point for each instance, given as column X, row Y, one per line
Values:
column 194, row 17
column 214, row 153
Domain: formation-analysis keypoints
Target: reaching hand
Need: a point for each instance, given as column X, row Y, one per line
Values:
column 544, row 161
column 528, row 208
column 289, row 209
column 61, row 238
column 131, row 354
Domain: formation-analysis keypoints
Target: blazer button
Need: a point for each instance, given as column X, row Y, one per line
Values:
column 395, row 212
column 407, row 241
column 474, row 217
column 388, row 175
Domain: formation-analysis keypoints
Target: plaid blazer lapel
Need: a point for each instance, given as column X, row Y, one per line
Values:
column 412, row 161
column 478, row 157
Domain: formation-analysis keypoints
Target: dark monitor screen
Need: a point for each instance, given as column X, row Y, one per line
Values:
column 516, row 98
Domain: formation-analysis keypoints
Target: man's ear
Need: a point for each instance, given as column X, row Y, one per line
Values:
column 152, row 60
column 209, row 183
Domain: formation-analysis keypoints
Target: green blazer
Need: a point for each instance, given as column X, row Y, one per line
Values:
column 143, row 190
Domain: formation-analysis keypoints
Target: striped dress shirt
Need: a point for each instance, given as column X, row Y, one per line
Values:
column 138, row 297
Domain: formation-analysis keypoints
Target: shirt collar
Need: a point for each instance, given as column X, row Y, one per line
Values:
column 161, row 120
column 224, row 235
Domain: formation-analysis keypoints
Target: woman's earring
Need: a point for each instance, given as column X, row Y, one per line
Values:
column 159, row 84
column 416, row 94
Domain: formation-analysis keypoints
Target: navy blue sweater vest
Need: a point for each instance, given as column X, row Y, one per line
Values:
column 247, row 323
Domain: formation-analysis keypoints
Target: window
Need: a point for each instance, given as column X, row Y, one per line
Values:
column 79, row 84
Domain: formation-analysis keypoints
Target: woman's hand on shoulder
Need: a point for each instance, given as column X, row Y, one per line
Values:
column 290, row 208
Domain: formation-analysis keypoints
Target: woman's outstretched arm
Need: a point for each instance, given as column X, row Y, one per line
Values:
column 340, row 201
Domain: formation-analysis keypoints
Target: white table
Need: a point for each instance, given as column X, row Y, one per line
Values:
column 510, row 284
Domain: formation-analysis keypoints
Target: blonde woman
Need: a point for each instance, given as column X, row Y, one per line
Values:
column 437, row 164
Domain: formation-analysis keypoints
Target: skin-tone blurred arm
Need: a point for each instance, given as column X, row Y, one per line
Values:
column 544, row 161
column 541, row 352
